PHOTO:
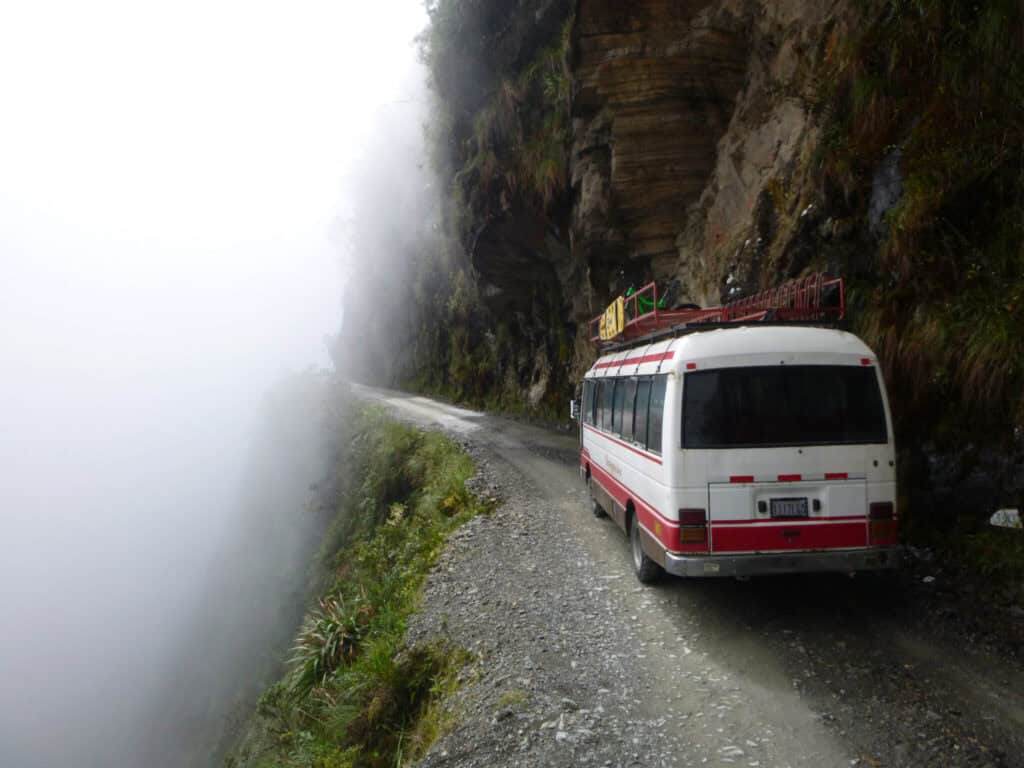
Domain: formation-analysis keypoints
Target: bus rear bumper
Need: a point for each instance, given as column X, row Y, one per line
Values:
column 842, row 561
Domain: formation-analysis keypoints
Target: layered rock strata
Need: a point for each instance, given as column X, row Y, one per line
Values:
column 656, row 84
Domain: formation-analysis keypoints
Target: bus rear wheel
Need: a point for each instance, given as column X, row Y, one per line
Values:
column 646, row 570
column 595, row 508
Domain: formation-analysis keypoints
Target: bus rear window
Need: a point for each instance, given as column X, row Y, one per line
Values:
column 782, row 405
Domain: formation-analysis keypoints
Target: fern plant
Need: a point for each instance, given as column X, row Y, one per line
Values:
column 329, row 638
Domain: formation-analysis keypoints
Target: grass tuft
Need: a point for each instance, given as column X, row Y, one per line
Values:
column 329, row 638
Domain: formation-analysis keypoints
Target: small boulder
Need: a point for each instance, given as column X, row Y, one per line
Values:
column 1006, row 518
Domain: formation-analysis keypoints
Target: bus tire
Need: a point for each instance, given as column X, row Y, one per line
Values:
column 646, row 570
column 595, row 508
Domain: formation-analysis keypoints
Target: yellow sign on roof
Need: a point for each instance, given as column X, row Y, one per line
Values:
column 613, row 321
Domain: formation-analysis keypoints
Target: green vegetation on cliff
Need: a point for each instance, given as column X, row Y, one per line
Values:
column 355, row 694
column 936, row 87
column 516, row 145
column 942, row 83
column 499, row 138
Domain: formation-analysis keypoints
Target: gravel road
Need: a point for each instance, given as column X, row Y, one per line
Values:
column 578, row 664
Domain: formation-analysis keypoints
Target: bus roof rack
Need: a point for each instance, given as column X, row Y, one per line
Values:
column 815, row 300
column 684, row 329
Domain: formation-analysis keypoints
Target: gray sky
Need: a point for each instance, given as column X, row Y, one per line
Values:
column 170, row 176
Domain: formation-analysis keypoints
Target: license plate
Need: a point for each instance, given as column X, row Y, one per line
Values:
column 789, row 508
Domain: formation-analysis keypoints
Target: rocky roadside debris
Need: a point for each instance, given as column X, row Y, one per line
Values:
column 556, row 681
column 963, row 606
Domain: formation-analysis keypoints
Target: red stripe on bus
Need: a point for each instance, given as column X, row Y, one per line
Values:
column 622, row 494
column 648, row 516
column 627, row 446
column 754, row 538
column 800, row 521
column 656, row 358
column 787, row 478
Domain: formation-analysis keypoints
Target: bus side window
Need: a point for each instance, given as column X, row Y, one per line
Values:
column 656, row 411
column 643, row 397
column 620, row 403
column 627, row 409
column 606, row 404
column 586, row 412
column 591, row 409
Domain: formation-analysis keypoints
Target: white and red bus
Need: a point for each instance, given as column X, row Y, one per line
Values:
column 743, row 450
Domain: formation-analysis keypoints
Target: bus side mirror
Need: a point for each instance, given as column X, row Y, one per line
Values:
column 574, row 410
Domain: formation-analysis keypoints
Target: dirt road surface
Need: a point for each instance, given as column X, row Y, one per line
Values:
column 579, row 664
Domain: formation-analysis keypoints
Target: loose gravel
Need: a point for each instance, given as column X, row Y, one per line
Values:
column 558, row 680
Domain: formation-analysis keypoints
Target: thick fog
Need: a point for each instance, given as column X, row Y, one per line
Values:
column 172, row 179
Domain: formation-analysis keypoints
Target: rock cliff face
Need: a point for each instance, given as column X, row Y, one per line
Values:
column 694, row 127
column 754, row 214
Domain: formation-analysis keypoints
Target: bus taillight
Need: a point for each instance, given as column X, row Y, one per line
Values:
column 882, row 527
column 693, row 526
